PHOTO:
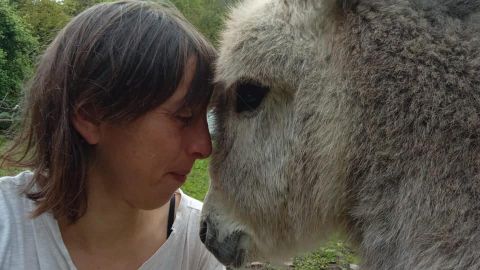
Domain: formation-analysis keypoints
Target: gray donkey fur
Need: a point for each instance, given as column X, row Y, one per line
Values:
column 370, row 126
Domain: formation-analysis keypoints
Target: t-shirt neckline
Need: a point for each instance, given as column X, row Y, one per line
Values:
column 177, row 226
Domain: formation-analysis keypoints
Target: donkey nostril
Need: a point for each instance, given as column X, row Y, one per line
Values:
column 203, row 231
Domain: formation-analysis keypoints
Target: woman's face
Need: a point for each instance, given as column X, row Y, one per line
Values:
column 145, row 161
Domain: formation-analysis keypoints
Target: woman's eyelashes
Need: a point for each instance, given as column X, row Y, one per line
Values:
column 184, row 115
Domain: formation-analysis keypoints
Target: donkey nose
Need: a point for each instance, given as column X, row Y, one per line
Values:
column 227, row 251
column 203, row 231
column 208, row 233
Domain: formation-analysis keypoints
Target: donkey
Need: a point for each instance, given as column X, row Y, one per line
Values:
column 358, row 116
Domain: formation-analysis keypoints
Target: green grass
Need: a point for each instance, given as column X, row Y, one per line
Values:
column 334, row 252
column 198, row 180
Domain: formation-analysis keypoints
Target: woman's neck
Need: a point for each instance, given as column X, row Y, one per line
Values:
column 107, row 225
column 110, row 227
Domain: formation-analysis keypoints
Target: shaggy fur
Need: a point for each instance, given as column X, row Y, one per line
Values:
column 371, row 126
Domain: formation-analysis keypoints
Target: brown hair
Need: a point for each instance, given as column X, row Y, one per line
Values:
column 119, row 60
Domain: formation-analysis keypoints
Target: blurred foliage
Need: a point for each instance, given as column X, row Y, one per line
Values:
column 206, row 15
column 6, row 171
column 74, row 7
column 18, row 48
column 45, row 18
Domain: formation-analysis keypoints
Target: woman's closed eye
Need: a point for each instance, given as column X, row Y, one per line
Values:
column 184, row 115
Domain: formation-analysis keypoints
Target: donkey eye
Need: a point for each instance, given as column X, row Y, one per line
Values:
column 250, row 96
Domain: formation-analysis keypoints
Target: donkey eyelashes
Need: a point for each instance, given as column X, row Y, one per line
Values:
column 249, row 96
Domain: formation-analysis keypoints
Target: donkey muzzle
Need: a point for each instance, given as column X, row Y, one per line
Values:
column 228, row 250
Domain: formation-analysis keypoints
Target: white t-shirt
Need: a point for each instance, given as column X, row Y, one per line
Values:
column 27, row 243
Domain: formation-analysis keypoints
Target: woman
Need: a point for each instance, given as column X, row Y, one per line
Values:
column 115, row 117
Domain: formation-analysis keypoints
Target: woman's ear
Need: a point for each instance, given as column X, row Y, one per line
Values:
column 88, row 127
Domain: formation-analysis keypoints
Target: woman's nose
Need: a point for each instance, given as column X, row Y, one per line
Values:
column 200, row 141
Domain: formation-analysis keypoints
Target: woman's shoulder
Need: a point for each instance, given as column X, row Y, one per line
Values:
column 12, row 199
column 14, row 205
column 20, row 235
column 11, row 187
column 13, row 182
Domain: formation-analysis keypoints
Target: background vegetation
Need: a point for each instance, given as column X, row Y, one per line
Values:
column 17, row 49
